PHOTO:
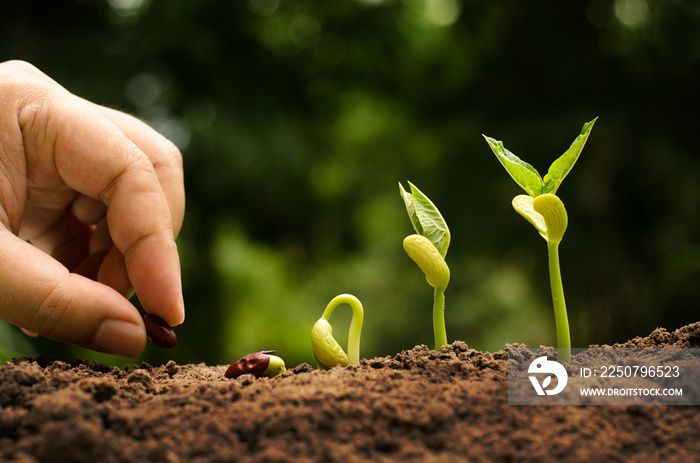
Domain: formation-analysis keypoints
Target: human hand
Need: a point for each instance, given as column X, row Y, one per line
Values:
column 91, row 201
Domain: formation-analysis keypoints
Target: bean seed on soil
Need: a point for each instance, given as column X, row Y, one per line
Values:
column 264, row 363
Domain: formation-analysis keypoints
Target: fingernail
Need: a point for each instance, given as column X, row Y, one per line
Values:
column 120, row 337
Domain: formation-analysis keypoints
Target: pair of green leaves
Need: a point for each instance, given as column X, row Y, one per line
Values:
column 541, row 207
column 527, row 176
column 425, row 218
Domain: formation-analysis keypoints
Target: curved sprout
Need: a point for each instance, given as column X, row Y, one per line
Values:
column 326, row 350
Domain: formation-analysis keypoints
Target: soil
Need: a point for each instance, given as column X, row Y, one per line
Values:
column 420, row 405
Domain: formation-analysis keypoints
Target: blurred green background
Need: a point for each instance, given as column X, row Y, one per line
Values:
column 297, row 119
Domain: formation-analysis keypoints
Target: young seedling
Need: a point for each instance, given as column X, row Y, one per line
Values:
column 263, row 363
column 543, row 209
column 428, row 248
column 326, row 350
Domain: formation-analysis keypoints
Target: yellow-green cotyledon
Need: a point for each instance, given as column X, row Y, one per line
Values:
column 326, row 350
column 424, row 253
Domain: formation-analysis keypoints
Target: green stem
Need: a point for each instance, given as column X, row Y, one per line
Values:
column 355, row 331
column 561, row 320
column 439, row 318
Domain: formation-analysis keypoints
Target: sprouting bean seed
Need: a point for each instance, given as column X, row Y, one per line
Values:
column 252, row 364
column 159, row 332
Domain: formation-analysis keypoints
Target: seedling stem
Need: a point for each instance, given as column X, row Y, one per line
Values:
column 561, row 319
column 439, row 318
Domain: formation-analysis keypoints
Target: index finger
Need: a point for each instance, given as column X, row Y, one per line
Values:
column 163, row 155
column 94, row 157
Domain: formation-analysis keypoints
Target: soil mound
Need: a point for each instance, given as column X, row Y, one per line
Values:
column 420, row 405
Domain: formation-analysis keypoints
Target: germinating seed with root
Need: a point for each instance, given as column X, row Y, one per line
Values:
column 159, row 332
column 263, row 363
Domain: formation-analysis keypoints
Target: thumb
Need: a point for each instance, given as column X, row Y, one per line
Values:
column 39, row 294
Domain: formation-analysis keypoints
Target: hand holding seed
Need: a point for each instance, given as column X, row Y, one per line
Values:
column 91, row 201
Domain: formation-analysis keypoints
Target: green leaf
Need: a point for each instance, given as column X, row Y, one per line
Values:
column 426, row 218
column 523, row 173
column 523, row 205
column 562, row 166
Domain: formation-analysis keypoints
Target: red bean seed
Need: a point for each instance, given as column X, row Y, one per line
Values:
column 252, row 364
column 159, row 332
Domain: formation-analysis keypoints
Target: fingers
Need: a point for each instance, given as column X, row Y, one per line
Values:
column 101, row 162
column 43, row 297
column 167, row 164
column 88, row 210
column 163, row 154
column 103, row 194
column 66, row 241
column 69, row 139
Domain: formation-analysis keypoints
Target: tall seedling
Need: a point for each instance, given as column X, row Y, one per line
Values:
column 543, row 209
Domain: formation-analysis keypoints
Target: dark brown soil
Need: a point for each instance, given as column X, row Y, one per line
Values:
column 420, row 405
